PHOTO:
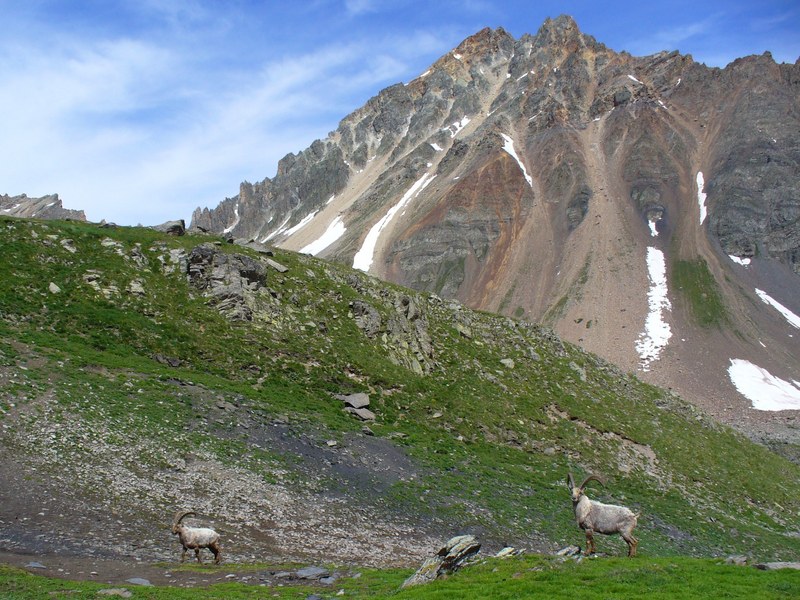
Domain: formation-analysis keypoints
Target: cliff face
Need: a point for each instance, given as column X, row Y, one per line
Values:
column 548, row 178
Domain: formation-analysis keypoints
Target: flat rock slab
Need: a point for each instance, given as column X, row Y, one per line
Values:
column 773, row 566
column 364, row 414
column 450, row 558
column 359, row 400
column 120, row 592
column 276, row 265
column 313, row 573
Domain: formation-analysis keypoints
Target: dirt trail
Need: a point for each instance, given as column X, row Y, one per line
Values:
column 129, row 573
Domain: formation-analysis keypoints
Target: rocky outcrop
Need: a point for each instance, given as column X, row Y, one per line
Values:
column 754, row 194
column 229, row 281
column 303, row 183
column 46, row 207
column 404, row 333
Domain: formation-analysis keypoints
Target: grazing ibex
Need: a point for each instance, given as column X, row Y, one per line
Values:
column 196, row 538
column 596, row 517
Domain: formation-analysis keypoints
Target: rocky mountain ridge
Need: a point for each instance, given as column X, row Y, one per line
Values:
column 554, row 179
column 46, row 207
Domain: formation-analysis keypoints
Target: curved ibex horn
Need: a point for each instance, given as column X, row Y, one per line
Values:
column 180, row 515
column 590, row 477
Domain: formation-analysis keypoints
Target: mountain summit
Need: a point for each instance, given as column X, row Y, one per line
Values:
column 646, row 208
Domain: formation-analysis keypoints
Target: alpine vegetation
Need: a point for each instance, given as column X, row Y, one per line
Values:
column 593, row 516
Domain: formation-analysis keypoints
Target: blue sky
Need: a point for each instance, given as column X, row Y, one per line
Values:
column 139, row 111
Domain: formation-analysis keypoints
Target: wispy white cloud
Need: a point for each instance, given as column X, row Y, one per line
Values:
column 769, row 22
column 177, row 12
column 359, row 7
column 125, row 127
column 141, row 111
column 673, row 36
column 670, row 38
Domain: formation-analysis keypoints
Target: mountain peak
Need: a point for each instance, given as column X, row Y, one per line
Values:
column 559, row 31
column 539, row 177
column 562, row 25
column 484, row 41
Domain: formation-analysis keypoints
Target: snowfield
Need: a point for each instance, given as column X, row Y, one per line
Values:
column 656, row 332
column 303, row 222
column 793, row 319
column 509, row 147
column 701, row 197
column 334, row 231
column 235, row 220
column 457, row 126
column 763, row 389
column 279, row 230
column 739, row 261
column 364, row 257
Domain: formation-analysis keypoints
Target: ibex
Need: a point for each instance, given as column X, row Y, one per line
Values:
column 596, row 517
column 196, row 538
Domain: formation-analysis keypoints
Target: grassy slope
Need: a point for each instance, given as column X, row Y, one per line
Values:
column 497, row 455
column 525, row 577
column 699, row 289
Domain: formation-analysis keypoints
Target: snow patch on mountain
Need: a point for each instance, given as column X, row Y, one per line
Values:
column 509, row 147
column 701, row 197
column 279, row 230
column 762, row 388
column 457, row 126
column 739, row 261
column 303, row 222
column 657, row 331
column 235, row 220
column 334, row 231
column 793, row 319
column 364, row 257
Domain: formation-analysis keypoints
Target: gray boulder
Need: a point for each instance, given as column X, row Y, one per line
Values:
column 172, row 227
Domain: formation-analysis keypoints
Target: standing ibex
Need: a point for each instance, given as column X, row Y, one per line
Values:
column 196, row 537
column 596, row 517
